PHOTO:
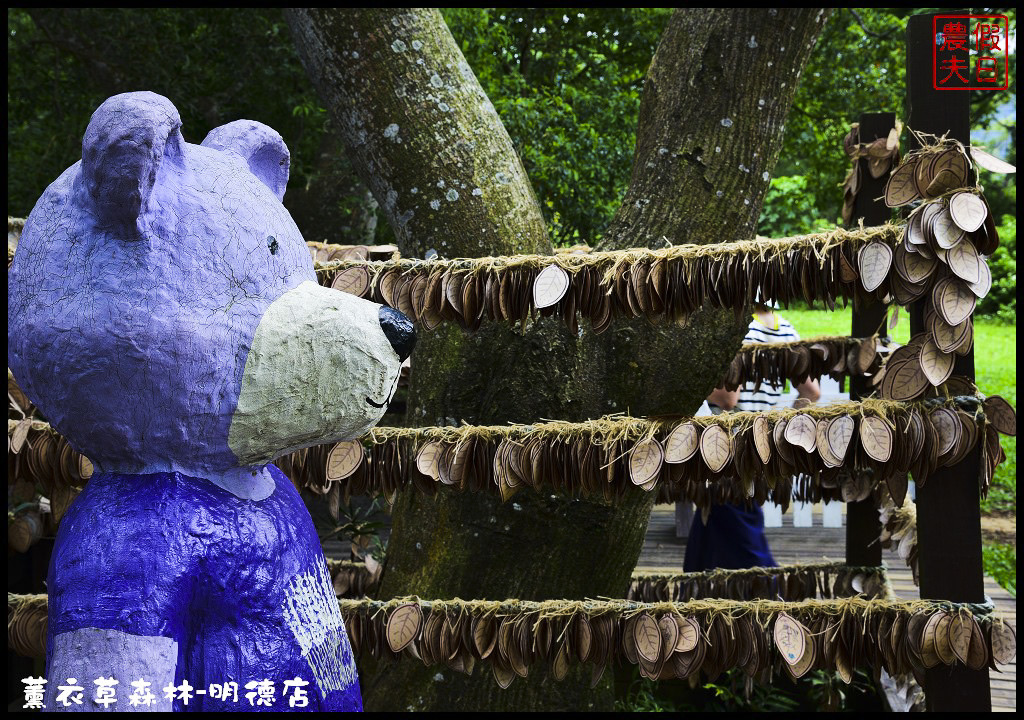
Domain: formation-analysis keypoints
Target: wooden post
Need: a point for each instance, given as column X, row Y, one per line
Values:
column 948, row 506
column 862, row 523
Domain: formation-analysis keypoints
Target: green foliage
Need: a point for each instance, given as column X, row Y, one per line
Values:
column 566, row 83
column 734, row 691
column 789, row 208
column 1001, row 565
column 216, row 65
column 995, row 349
column 361, row 523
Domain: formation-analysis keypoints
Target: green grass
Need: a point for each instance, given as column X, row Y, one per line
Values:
column 1001, row 565
column 995, row 359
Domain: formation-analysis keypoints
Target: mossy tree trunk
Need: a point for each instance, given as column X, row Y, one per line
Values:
column 417, row 125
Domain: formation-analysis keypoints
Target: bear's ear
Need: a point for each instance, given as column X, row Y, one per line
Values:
column 128, row 138
column 261, row 147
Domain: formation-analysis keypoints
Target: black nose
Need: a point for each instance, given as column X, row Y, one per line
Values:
column 399, row 330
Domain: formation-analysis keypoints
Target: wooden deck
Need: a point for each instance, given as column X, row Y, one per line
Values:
column 663, row 552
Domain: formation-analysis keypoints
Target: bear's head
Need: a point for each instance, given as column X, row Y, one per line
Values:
column 163, row 311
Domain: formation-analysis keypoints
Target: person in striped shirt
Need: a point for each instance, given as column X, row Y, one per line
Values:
column 733, row 536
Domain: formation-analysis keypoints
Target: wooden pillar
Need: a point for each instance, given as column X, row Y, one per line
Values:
column 862, row 523
column 948, row 506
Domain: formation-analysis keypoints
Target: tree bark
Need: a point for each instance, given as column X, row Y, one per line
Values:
column 385, row 75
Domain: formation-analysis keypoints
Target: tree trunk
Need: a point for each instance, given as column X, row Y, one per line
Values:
column 417, row 125
column 712, row 116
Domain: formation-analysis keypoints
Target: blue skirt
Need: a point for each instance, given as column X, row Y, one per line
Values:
column 733, row 538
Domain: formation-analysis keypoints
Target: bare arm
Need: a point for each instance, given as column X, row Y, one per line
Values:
column 725, row 399
column 808, row 392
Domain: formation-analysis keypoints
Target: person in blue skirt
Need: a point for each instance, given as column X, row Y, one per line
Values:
column 733, row 535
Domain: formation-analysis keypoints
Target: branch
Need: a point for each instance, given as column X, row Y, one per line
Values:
column 870, row 33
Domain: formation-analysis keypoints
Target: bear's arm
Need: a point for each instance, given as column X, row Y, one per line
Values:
column 122, row 576
column 87, row 655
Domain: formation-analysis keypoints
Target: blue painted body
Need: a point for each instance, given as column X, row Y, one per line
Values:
column 233, row 582
column 732, row 538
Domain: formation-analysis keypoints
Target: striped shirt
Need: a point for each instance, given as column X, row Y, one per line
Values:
column 766, row 396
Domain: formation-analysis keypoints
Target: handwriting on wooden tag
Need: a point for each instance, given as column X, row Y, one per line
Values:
column 790, row 638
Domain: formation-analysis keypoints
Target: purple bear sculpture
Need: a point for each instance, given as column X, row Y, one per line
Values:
column 164, row 315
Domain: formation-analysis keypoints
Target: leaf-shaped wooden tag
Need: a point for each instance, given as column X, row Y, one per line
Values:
column 897, row 484
column 428, row 457
column 847, row 272
column 762, row 439
column 877, row 167
column 947, row 233
column 645, row 461
column 876, row 438
column 977, row 652
column 689, row 634
column 1004, row 642
column 960, row 636
column 984, row 283
column 874, row 261
column 946, row 425
column 821, row 442
column 485, row 635
column 647, row 637
column 1000, row 415
column 991, row 162
column 953, row 300
column 716, row 447
column 937, row 365
column 942, row 645
column 344, row 459
column 943, row 182
column 682, row 443
column 386, row 286
column 20, row 434
column 914, row 267
column 403, row 626
column 550, row 286
column 953, row 160
column 948, row 337
column 800, row 431
column 789, row 638
column 669, row 635
column 353, row 280
column 901, row 187
column 968, row 211
column 85, row 467
column 843, row 666
column 560, row 665
column 583, row 637
column 892, row 140
column 963, row 260
column 905, row 381
column 503, row 675
column 839, row 434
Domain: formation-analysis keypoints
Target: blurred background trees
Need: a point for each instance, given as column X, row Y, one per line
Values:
column 566, row 84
